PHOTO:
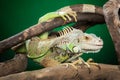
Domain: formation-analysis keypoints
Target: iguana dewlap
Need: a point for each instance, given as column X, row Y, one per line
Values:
column 70, row 42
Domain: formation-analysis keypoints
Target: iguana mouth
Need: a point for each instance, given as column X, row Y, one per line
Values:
column 92, row 48
column 90, row 51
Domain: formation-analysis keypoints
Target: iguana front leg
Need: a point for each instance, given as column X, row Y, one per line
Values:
column 52, row 15
column 90, row 61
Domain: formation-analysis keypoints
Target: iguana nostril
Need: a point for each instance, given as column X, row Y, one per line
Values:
column 100, row 40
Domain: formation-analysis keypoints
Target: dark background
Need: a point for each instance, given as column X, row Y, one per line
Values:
column 17, row 15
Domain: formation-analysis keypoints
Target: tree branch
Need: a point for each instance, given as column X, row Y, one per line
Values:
column 15, row 65
column 107, row 72
column 112, row 16
column 46, row 26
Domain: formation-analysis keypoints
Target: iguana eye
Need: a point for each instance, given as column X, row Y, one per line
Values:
column 86, row 38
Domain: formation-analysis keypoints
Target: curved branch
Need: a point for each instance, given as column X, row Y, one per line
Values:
column 45, row 26
column 107, row 72
column 112, row 15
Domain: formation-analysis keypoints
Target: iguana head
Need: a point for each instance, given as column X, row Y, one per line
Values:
column 88, row 43
column 76, row 41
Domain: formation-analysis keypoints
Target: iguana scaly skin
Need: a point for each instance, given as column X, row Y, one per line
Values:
column 72, row 10
column 64, row 46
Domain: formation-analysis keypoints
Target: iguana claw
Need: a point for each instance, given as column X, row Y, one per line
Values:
column 91, row 62
column 66, row 16
column 67, row 65
column 80, row 61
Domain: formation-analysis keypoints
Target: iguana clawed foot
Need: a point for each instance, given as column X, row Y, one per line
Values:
column 75, row 63
column 66, row 16
column 91, row 62
column 81, row 62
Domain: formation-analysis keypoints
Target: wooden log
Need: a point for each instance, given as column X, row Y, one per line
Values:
column 107, row 72
column 15, row 65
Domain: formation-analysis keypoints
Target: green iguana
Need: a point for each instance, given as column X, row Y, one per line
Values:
column 49, row 50
column 65, row 46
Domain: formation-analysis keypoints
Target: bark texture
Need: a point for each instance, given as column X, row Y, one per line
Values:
column 15, row 65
